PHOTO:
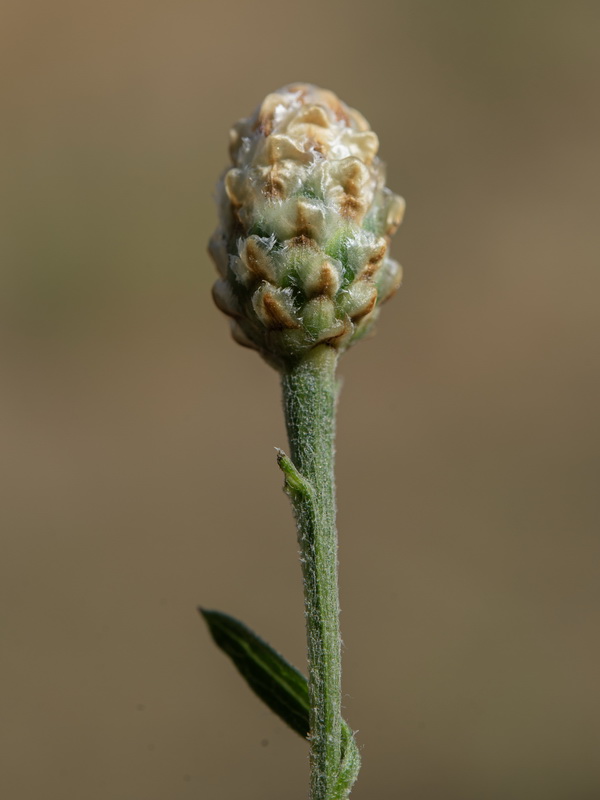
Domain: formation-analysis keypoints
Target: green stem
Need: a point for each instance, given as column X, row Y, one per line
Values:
column 309, row 393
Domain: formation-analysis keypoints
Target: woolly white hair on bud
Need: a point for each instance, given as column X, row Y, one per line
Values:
column 304, row 214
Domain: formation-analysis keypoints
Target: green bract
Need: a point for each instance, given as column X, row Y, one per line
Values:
column 305, row 221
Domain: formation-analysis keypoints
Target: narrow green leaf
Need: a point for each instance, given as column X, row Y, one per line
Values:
column 278, row 684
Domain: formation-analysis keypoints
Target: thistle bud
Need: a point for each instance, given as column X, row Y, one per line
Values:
column 305, row 222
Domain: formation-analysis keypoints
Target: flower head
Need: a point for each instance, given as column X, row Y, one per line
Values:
column 305, row 221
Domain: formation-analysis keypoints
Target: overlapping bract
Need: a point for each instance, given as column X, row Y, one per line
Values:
column 305, row 221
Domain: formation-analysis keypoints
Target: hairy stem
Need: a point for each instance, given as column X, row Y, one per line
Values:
column 309, row 394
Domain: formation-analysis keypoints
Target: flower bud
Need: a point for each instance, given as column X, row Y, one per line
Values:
column 305, row 222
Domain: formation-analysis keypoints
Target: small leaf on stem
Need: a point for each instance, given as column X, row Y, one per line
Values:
column 294, row 480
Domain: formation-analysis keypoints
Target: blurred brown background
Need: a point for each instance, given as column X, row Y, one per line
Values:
column 138, row 473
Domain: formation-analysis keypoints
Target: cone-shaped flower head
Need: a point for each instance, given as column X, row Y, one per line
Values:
column 305, row 222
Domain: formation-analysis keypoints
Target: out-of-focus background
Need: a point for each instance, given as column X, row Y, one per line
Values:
column 138, row 473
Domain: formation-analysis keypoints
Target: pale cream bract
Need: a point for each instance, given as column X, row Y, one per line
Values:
column 305, row 222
